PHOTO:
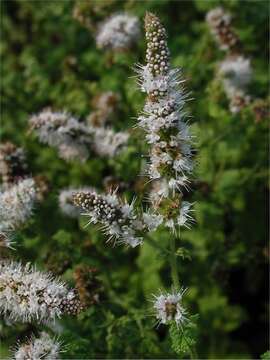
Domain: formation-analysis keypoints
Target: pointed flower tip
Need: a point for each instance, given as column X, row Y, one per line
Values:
column 149, row 18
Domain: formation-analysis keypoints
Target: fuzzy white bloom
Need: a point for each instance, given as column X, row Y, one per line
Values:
column 118, row 218
column 164, row 121
column 118, row 32
column 42, row 347
column 62, row 131
column 168, row 307
column 106, row 142
column 236, row 73
column 65, row 200
column 16, row 205
column 219, row 23
column 29, row 295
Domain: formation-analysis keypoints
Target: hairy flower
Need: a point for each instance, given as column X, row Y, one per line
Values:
column 73, row 139
column 16, row 205
column 13, row 166
column 168, row 307
column 29, row 295
column 42, row 347
column 106, row 142
column 236, row 73
column 118, row 218
column 118, row 32
column 219, row 23
column 163, row 120
column 62, row 131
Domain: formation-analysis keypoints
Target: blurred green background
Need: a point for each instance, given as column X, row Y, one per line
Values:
column 50, row 59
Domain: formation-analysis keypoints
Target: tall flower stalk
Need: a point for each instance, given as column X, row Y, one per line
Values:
column 164, row 121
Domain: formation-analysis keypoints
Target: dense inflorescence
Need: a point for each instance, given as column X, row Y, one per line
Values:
column 236, row 74
column 235, row 71
column 73, row 139
column 16, row 205
column 220, row 24
column 106, row 142
column 13, row 166
column 168, row 307
column 119, row 32
column 29, row 295
column 62, row 131
column 42, row 347
column 163, row 119
column 119, row 219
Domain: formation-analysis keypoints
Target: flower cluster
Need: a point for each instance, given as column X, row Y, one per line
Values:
column 168, row 307
column 27, row 294
column 236, row 73
column 64, row 132
column 42, row 347
column 16, row 205
column 106, row 142
column 119, row 32
column 163, row 120
column 13, row 166
column 73, row 139
column 119, row 220
column 220, row 24
column 235, row 70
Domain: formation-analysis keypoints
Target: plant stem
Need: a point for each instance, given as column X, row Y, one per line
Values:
column 173, row 261
column 155, row 245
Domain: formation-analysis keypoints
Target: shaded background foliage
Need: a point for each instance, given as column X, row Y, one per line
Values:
column 50, row 59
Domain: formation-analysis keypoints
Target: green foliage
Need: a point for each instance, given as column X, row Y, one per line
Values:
column 184, row 338
column 266, row 355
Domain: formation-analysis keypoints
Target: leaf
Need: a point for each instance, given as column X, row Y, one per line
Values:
column 184, row 338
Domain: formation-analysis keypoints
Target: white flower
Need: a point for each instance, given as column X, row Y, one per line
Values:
column 118, row 32
column 28, row 295
column 219, row 23
column 62, row 131
column 163, row 117
column 152, row 220
column 236, row 73
column 42, row 347
column 184, row 218
column 168, row 307
column 119, row 219
column 16, row 205
column 106, row 142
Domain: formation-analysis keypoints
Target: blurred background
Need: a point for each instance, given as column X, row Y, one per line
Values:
column 50, row 59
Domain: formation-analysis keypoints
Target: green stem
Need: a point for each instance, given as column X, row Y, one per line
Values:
column 173, row 261
column 155, row 245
